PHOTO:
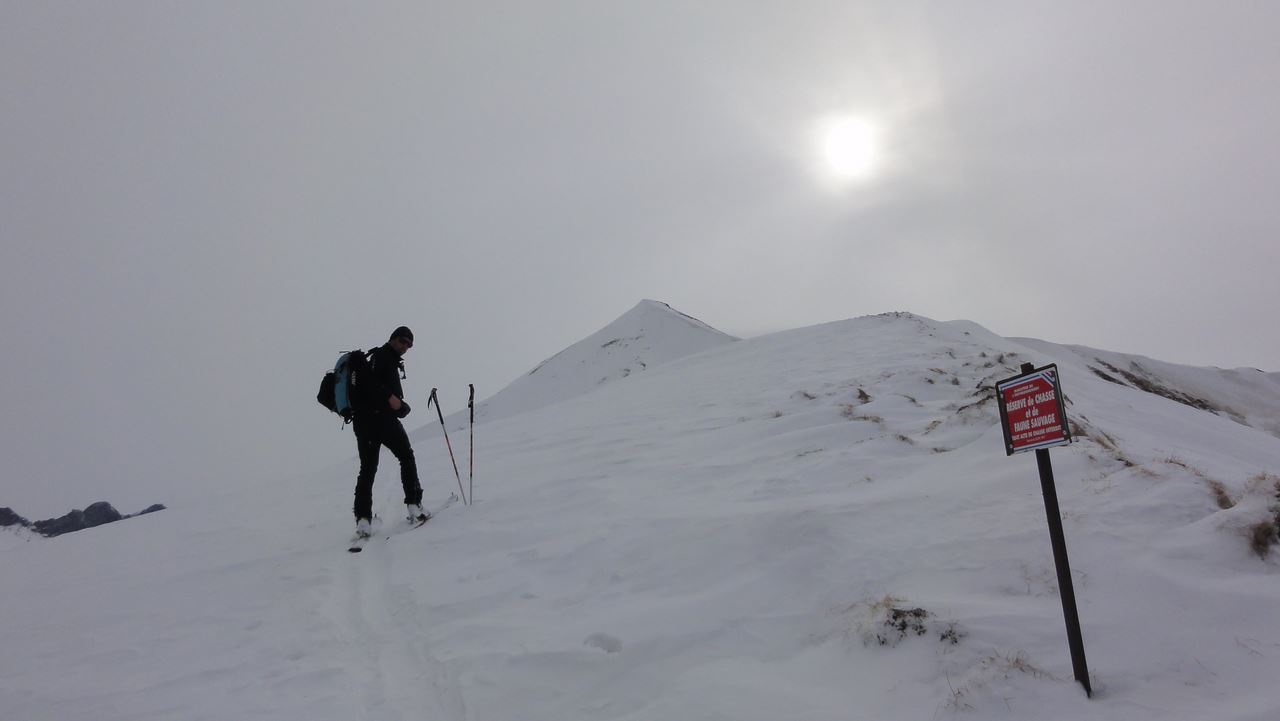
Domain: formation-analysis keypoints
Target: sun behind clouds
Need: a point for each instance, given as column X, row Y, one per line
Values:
column 849, row 146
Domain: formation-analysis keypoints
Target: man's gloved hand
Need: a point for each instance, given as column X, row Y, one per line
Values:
column 404, row 409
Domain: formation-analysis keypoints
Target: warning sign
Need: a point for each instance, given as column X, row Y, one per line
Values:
column 1032, row 411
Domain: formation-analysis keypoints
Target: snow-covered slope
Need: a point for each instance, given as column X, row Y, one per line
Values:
column 816, row 524
column 648, row 335
column 1246, row 395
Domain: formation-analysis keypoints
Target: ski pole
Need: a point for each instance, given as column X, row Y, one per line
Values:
column 440, row 413
column 471, row 467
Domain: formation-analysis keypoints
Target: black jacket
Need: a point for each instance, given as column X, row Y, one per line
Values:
column 386, row 367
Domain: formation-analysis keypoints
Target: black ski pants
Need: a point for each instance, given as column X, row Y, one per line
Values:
column 372, row 433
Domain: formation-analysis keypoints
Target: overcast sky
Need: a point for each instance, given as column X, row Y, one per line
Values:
column 202, row 203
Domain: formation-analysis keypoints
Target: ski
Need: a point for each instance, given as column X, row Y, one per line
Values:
column 453, row 498
column 431, row 514
column 358, row 542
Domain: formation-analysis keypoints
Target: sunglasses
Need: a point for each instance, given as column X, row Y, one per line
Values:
column 407, row 343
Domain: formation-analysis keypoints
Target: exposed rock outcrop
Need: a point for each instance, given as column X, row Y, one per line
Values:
column 96, row 514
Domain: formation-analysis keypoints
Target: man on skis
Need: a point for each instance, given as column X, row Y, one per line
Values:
column 376, row 422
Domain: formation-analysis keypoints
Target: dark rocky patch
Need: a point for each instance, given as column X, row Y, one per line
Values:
column 96, row 514
column 1140, row 378
column 1106, row 377
column 9, row 518
column 900, row 623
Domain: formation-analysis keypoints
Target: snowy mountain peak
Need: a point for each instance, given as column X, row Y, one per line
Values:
column 650, row 334
column 656, row 330
column 655, row 314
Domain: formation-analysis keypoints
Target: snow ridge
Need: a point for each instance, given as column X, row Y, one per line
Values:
column 1247, row 396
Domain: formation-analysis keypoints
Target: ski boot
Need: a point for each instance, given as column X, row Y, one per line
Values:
column 416, row 514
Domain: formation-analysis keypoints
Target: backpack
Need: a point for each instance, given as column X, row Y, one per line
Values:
column 340, row 389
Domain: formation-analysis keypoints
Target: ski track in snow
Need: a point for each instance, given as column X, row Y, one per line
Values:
column 380, row 621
